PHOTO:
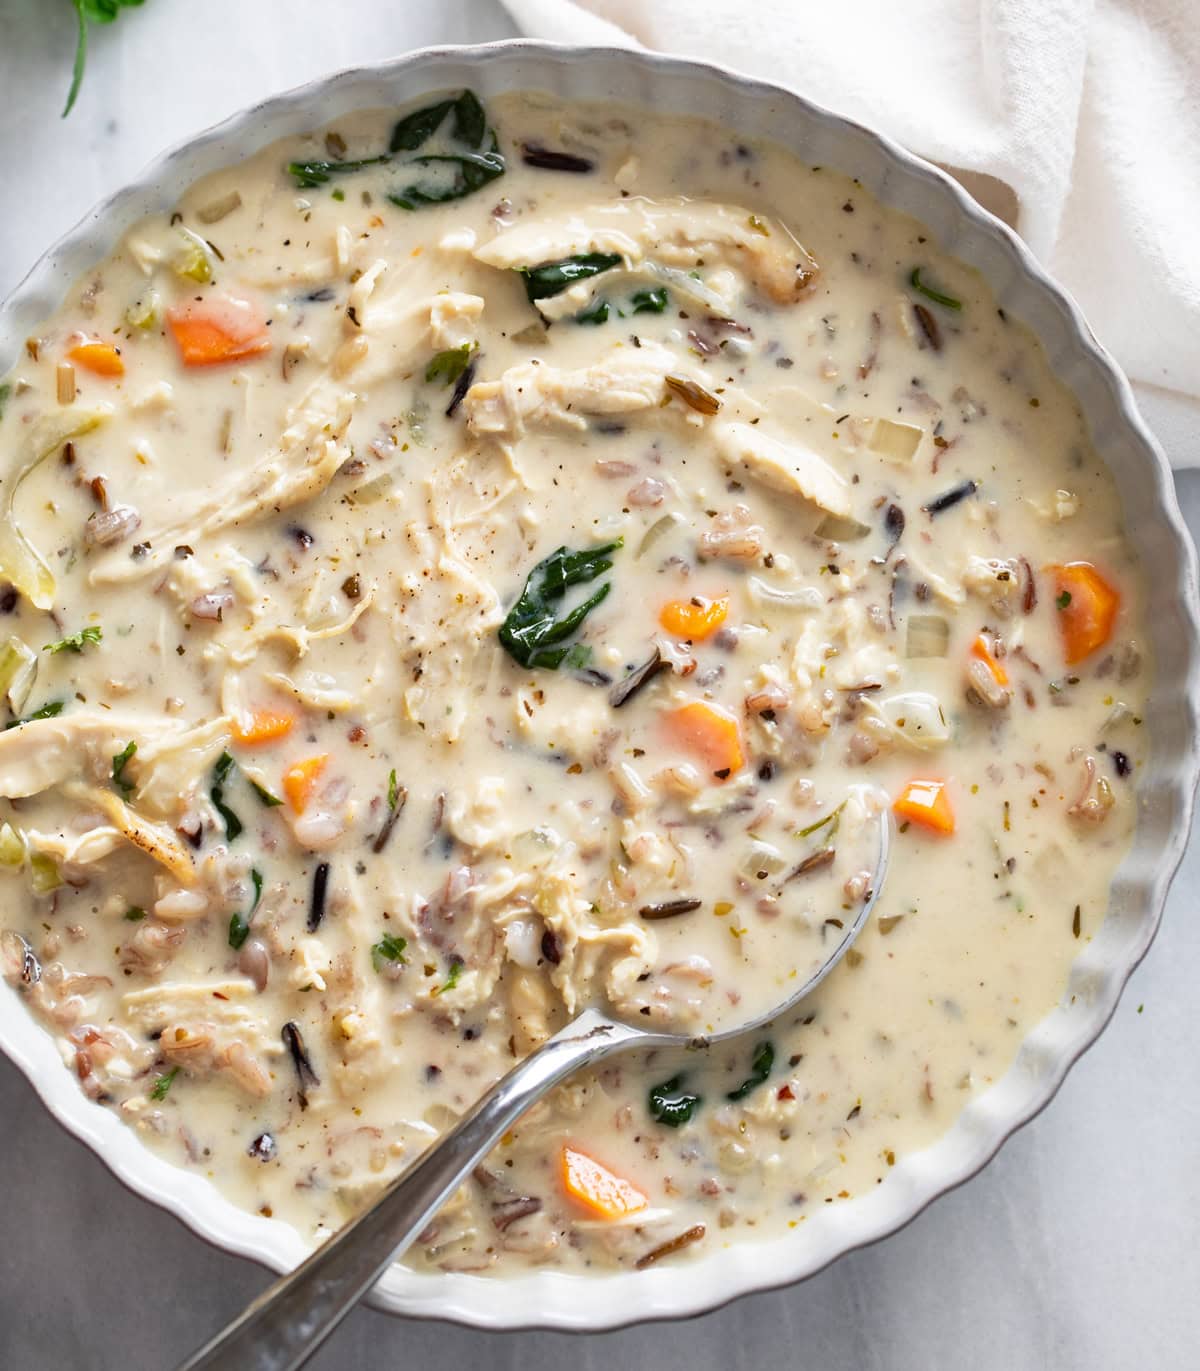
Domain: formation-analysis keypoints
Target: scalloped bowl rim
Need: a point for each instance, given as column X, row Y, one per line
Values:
column 549, row 1299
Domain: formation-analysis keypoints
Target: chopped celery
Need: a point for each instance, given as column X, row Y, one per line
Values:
column 43, row 873
column 20, row 562
column 145, row 312
column 18, row 671
column 192, row 259
column 12, row 846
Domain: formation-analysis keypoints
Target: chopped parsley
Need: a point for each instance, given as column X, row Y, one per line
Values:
column 390, row 949
column 119, row 763
column 135, row 914
column 451, row 980
column 163, row 1084
column 76, row 642
column 448, row 366
column 1063, row 600
column 930, row 294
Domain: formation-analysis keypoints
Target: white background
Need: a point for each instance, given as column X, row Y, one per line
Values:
column 1077, row 1249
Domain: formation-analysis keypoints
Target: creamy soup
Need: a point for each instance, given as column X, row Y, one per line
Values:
column 465, row 566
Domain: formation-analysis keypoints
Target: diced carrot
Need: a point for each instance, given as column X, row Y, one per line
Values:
column 300, row 780
column 710, row 734
column 263, row 726
column 695, row 619
column 597, row 1188
column 1086, row 606
column 216, row 329
column 982, row 649
column 926, row 803
column 101, row 358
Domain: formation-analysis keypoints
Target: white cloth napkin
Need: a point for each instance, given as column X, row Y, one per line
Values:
column 1086, row 112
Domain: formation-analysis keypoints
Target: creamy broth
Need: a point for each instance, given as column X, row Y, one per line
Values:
column 461, row 611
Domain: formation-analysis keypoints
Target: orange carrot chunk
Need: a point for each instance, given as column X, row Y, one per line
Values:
column 926, row 803
column 694, row 619
column 263, row 726
column 1086, row 606
column 300, row 780
column 710, row 734
column 216, row 329
column 597, row 1188
column 982, row 649
column 100, row 358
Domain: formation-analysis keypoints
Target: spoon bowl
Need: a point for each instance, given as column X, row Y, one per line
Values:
column 290, row 1320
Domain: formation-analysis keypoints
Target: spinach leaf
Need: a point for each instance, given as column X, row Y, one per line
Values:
column 760, row 1068
column 652, row 301
column 552, row 278
column 47, row 711
column 239, row 924
column 419, row 126
column 472, row 170
column 233, row 825
column 530, row 631
column 596, row 313
column 265, row 797
column 670, row 1104
column 469, row 127
column 310, row 174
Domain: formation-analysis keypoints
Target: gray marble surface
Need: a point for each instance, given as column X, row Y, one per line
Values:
column 1076, row 1250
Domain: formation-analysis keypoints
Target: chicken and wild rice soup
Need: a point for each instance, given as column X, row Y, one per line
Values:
column 470, row 564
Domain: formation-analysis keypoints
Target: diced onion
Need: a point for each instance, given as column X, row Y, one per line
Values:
column 897, row 441
column 838, row 530
column 214, row 212
column 656, row 532
column 371, row 491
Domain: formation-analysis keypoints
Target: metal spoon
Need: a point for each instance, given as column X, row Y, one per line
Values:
column 292, row 1318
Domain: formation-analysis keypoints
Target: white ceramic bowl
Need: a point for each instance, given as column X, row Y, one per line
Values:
column 550, row 1299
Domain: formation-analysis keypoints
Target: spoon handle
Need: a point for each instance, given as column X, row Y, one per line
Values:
column 288, row 1322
